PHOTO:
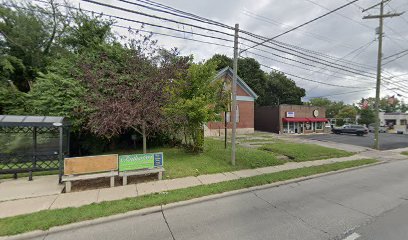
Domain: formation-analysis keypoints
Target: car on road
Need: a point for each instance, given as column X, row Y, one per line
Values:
column 371, row 128
column 351, row 129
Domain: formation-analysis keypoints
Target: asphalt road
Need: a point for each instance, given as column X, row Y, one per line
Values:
column 329, row 207
column 390, row 226
column 387, row 140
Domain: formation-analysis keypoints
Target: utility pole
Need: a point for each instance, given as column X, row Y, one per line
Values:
column 379, row 63
column 234, row 96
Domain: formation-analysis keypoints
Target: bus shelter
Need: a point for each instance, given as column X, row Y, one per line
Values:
column 31, row 144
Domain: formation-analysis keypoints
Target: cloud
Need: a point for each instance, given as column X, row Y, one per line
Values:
column 340, row 35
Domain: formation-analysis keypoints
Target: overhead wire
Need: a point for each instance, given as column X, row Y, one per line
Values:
column 302, row 25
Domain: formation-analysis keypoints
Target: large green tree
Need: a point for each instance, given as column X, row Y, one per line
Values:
column 30, row 34
column 272, row 88
column 193, row 102
column 333, row 108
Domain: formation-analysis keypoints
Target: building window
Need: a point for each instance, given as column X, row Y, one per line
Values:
column 319, row 125
column 285, row 127
column 403, row 122
column 308, row 126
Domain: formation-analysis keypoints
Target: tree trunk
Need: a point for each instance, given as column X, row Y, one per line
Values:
column 144, row 137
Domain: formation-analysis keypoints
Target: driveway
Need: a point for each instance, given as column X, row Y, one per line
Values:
column 388, row 141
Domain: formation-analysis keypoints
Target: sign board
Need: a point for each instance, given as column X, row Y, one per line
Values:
column 140, row 161
column 290, row 114
column 90, row 164
column 315, row 113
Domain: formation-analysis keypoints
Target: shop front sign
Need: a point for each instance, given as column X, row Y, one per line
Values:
column 290, row 114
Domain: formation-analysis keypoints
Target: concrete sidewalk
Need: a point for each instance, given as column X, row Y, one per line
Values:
column 76, row 199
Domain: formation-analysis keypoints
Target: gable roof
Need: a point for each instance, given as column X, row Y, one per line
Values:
column 227, row 71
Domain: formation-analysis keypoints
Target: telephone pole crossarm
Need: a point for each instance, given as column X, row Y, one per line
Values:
column 383, row 16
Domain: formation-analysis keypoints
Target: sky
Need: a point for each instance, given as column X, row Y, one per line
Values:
column 343, row 35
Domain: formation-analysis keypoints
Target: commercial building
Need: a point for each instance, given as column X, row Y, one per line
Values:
column 291, row 119
column 245, row 108
column 396, row 122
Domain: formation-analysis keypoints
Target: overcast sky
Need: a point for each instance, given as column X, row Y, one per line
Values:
column 342, row 34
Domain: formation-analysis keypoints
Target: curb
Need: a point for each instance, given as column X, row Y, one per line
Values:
column 156, row 209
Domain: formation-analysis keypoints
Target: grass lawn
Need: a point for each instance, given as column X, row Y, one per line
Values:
column 214, row 159
column 50, row 218
column 405, row 153
column 299, row 152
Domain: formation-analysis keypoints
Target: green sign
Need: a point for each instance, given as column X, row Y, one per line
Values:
column 140, row 161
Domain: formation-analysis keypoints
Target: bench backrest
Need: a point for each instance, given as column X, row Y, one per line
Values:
column 91, row 164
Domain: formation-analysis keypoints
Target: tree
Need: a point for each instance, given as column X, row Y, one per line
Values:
column 193, row 101
column 280, row 89
column 273, row 88
column 55, row 95
column 367, row 116
column 347, row 112
column 30, row 34
column 332, row 107
column 126, row 90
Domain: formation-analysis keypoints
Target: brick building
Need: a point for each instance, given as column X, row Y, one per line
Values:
column 292, row 119
column 245, row 107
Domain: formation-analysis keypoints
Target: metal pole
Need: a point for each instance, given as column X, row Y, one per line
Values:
column 225, row 129
column 34, row 157
column 234, row 96
column 61, row 154
column 377, row 91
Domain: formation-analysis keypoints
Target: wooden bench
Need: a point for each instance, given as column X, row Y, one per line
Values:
column 142, row 172
column 92, row 167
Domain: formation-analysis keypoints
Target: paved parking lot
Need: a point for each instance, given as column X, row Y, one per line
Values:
column 387, row 140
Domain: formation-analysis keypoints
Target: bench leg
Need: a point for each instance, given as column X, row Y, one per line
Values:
column 160, row 175
column 68, row 187
column 124, row 180
column 112, row 181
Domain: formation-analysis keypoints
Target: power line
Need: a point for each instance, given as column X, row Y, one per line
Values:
column 401, row 56
column 275, row 42
column 306, row 79
column 181, row 14
column 343, row 93
column 303, row 24
column 398, row 53
column 280, row 24
column 272, row 59
column 156, row 17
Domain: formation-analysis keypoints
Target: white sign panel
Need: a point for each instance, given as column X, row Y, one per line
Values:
column 290, row 114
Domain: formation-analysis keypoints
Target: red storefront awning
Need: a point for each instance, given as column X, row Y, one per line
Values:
column 318, row 119
column 295, row 120
column 305, row 120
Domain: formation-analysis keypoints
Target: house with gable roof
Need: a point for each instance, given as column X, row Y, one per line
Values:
column 245, row 107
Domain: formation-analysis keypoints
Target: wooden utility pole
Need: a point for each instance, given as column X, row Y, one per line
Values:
column 233, row 115
column 379, row 63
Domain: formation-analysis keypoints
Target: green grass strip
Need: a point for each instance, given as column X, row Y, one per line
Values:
column 299, row 152
column 405, row 153
column 50, row 218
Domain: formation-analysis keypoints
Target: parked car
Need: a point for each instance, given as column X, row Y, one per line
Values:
column 371, row 128
column 351, row 129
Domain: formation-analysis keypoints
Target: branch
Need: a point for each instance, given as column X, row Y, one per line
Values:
column 54, row 29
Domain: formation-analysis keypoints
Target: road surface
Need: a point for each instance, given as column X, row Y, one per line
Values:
column 388, row 141
column 329, row 207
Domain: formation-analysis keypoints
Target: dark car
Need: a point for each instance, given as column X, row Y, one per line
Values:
column 351, row 129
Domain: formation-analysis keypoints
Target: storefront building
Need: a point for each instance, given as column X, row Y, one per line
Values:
column 291, row 119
